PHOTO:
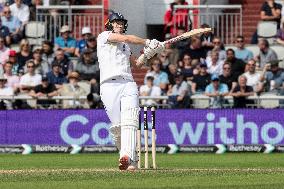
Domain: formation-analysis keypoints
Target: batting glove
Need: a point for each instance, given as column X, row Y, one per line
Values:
column 149, row 52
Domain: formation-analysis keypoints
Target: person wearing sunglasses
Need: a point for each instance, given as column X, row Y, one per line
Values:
column 241, row 52
column 13, row 24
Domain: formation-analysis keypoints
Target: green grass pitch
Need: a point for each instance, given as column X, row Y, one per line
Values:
column 81, row 171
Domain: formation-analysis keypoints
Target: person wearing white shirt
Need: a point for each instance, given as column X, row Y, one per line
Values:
column 253, row 77
column 214, row 65
column 30, row 79
column 150, row 90
column 5, row 91
column 21, row 11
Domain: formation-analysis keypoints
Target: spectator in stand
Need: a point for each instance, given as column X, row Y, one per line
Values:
column 63, row 60
column 4, row 51
column 5, row 33
column 33, row 6
column 56, row 77
column 237, row 65
column 45, row 89
column 149, row 89
column 92, row 44
column 187, row 68
column 216, row 91
column 161, row 78
column 165, row 62
column 214, row 64
column 24, row 54
column 13, row 81
column 5, row 91
column 174, row 19
column 181, row 45
column 179, row 93
column 14, row 60
column 21, row 11
column 207, row 38
column 73, row 89
column 200, row 80
column 82, row 44
column 241, row 52
column 253, row 77
column 280, row 35
column 41, row 67
column 171, row 75
column 13, row 24
column 270, row 11
column 241, row 92
column 65, row 42
column 228, row 77
column 194, row 49
column 266, row 54
column 30, row 79
column 219, row 47
column 47, row 52
column 26, row 2
column 169, row 56
column 273, row 77
column 88, row 69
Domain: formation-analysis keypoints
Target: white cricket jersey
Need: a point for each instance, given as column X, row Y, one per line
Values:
column 113, row 58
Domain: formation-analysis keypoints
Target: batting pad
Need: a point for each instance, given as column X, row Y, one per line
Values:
column 128, row 142
column 115, row 131
column 130, row 117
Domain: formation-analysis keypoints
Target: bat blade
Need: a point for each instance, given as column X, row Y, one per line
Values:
column 188, row 34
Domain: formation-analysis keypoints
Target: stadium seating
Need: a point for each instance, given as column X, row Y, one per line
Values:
column 35, row 32
column 267, row 30
column 269, row 103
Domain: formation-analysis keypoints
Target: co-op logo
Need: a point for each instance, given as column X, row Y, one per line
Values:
column 84, row 137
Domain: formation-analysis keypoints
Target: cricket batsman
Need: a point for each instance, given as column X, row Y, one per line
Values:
column 119, row 92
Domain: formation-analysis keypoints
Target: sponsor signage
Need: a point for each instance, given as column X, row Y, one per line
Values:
column 179, row 127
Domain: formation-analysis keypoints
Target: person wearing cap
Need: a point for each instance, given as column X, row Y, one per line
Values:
column 82, row 44
column 88, row 68
column 273, row 77
column 55, row 76
column 13, row 23
column 200, row 80
column 4, row 51
column 149, row 90
column 216, row 91
column 14, row 61
column 5, row 91
column 179, row 93
column 65, row 41
column 30, row 79
column 73, row 89
column 45, row 89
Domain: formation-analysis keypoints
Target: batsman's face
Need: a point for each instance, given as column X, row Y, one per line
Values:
column 118, row 26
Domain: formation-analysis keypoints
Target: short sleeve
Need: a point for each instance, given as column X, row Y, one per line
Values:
column 103, row 37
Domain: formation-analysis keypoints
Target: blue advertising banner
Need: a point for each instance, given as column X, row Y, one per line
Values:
column 181, row 127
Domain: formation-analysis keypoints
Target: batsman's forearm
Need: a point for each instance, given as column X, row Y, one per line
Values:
column 134, row 39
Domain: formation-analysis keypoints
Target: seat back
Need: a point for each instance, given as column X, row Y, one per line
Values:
column 267, row 29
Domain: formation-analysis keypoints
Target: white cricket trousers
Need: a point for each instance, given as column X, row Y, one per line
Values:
column 121, row 101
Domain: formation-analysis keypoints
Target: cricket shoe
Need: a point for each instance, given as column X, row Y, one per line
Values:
column 125, row 163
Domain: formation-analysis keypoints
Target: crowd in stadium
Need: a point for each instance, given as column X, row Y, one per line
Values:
column 201, row 65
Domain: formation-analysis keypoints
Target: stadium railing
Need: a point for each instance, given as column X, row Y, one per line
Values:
column 76, row 17
column 266, row 100
column 225, row 19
